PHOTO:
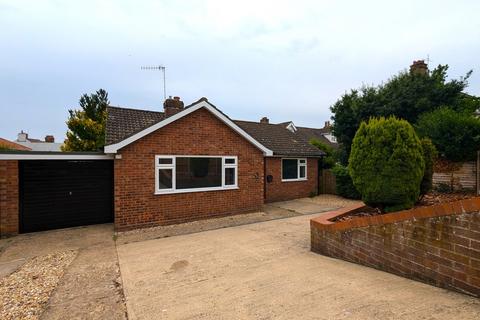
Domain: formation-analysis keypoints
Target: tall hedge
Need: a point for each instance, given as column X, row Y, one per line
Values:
column 429, row 156
column 344, row 184
column 456, row 135
column 386, row 164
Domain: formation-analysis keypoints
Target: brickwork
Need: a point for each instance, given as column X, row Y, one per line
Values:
column 439, row 245
column 8, row 198
column 199, row 133
column 277, row 190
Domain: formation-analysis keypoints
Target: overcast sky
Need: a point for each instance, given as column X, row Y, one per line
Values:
column 287, row 60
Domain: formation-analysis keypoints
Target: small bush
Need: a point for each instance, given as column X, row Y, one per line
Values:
column 455, row 134
column 344, row 184
column 429, row 156
column 386, row 164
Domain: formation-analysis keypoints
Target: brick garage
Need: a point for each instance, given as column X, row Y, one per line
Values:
column 439, row 245
column 278, row 190
column 200, row 133
column 9, row 202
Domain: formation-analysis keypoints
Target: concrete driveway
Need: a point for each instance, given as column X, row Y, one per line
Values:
column 90, row 287
column 266, row 271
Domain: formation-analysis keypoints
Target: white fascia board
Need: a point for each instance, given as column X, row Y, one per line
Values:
column 113, row 148
column 25, row 156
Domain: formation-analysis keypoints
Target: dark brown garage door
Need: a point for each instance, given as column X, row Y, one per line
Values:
column 65, row 193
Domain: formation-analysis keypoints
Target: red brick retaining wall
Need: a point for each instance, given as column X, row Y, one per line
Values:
column 439, row 245
column 8, row 197
column 279, row 190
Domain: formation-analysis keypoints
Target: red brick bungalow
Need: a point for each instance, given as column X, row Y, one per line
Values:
column 183, row 164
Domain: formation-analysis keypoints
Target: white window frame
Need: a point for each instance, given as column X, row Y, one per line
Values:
column 299, row 164
column 172, row 167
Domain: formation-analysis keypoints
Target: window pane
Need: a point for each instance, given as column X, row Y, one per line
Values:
column 230, row 160
column 165, row 161
column 198, row 172
column 302, row 160
column 229, row 176
column 289, row 169
column 165, row 178
column 302, row 171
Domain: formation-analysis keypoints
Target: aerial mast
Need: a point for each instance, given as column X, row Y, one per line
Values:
column 160, row 68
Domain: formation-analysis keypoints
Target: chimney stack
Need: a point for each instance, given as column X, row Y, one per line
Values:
column 172, row 106
column 22, row 136
column 264, row 120
column 327, row 124
column 50, row 139
column 419, row 67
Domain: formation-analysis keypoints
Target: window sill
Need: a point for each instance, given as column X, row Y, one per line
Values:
column 195, row 190
column 294, row 180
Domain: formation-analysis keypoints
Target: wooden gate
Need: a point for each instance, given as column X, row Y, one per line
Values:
column 327, row 182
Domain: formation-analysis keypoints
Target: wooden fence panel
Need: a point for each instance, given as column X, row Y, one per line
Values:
column 465, row 177
column 327, row 182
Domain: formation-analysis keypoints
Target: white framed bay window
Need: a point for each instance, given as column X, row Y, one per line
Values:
column 294, row 169
column 177, row 174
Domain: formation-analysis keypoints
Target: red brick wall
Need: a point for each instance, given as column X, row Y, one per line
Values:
column 279, row 191
column 199, row 133
column 439, row 245
column 8, row 197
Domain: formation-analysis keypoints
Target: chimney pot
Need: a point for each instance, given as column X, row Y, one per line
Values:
column 50, row 139
column 264, row 120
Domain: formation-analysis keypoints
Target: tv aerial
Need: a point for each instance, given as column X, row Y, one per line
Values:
column 160, row 68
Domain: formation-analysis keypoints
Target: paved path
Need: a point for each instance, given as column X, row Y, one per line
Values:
column 266, row 271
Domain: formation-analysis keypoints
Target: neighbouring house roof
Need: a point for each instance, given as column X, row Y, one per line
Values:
column 38, row 145
column 12, row 145
column 322, row 134
column 125, row 125
column 279, row 139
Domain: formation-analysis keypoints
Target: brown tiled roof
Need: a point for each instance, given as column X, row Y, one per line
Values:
column 12, row 145
column 313, row 133
column 125, row 122
column 279, row 139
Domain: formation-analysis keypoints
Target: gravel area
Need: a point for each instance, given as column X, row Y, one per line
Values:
column 25, row 293
column 331, row 200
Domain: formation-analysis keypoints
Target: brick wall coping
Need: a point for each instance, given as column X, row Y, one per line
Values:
column 325, row 222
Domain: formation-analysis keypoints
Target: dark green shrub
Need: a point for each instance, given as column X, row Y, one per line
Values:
column 386, row 164
column 344, row 185
column 329, row 160
column 456, row 135
column 429, row 156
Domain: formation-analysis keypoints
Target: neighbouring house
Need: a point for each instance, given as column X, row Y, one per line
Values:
column 10, row 145
column 324, row 134
column 48, row 144
column 159, row 168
